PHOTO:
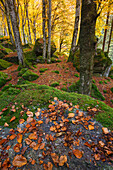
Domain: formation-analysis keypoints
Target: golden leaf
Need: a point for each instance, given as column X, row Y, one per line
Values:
column 78, row 153
column 19, row 161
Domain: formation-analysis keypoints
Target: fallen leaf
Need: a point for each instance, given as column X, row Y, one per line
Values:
column 29, row 119
column 16, row 148
column 101, row 143
column 36, row 147
column 87, row 144
column 13, row 118
column 32, row 145
column 19, row 161
column 19, row 138
column 33, row 136
column 91, row 127
column 42, row 145
column 29, row 113
column 28, row 141
column 105, row 130
column 80, row 114
column 52, row 128
column 55, row 98
column 62, row 160
column 78, row 153
column 54, row 157
column 71, row 115
column 3, row 110
column 50, row 166
column 12, row 137
column 40, row 122
column 5, row 124
column 21, row 121
column 37, row 114
column 33, row 162
column 97, row 157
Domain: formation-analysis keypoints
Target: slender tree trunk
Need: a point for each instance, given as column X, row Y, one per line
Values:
column 49, row 32
column 105, row 33
column 27, row 15
column 23, row 25
column 43, row 27
column 110, row 36
column 87, row 47
column 16, row 32
column 75, row 33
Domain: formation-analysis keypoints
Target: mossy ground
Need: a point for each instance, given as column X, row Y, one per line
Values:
column 4, row 64
column 29, row 75
column 34, row 96
column 4, row 78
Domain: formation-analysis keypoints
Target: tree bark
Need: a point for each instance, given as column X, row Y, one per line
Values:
column 49, row 32
column 16, row 32
column 105, row 33
column 75, row 33
column 87, row 45
column 110, row 36
column 27, row 15
column 43, row 27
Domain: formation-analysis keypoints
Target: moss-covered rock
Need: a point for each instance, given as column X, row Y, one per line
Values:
column 4, row 64
column 4, row 78
column 38, row 47
column 1, row 54
column 9, row 45
column 30, row 76
column 22, row 71
column 41, row 70
column 111, row 72
column 101, row 61
column 54, row 84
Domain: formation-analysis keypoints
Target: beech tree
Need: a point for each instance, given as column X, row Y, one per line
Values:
column 16, row 31
column 44, row 27
column 49, row 32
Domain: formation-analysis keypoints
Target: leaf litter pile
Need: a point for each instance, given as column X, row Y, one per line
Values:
column 61, row 136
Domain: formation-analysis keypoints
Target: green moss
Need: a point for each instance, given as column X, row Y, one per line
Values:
column 54, row 84
column 43, row 70
column 112, row 89
column 96, row 93
column 64, row 88
column 22, row 71
column 30, row 76
column 1, row 54
column 4, row 64
column 76, row 75
column 105, row 82
column 22, row 81
column 56, row 71
column 93, row 81
column 8, row 50
column 13, row 91
column 101, row 82
column 105, row 91
column 31, row 94
column 4, row 78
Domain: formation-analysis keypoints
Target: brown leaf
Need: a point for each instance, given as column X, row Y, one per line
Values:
column 23, row 150
column 42, row 145
column 80, row 114
column 97, row 157
column 101, row 143
column 32, row 145
column 40, row 122
column 62, row 160
column 54, row 157
column 13, row 118
column 29, row 113
column 78, row 153
column 105, row 130
column 37, row 114
column 52, row 128
column 50, row 166
column 16, row 148
column 28, row 141
column 91, row 127
column 12, row 137
column 29, row 119
column 33, row 162
column 19, row 138
column 87, row 144
column 36, row 147
column 19, row 161
column 33, row 136
column 71, row 115
column 21, row 121
column 2, row 141
column 5, row 124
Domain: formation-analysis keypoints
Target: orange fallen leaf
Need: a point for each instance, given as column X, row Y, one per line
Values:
column 62, row 160
column 80, row 114
column 19, row 161
column 71, row 115
column 55, row 157
column 8, row 147
column 29, row 113
column 33, row 136
column 42, row 145
column 32, row 145
column 36, row 147
column 105, row 130
column 78, row 153
column 28, row 141
column 101, row 143
column 40, row 122
column 37, row 114
column 6, row 124
column 21, row 121
column 12, row 137
column 19, row 138
column 97, row 157
column 33, row 162
column 16, row 148
column 29, row 119
column 55, row 98
column 52, row 128
column 50, row 166
column 87, row 144
column 4, row 109
column 13, row 118
column 91, row 127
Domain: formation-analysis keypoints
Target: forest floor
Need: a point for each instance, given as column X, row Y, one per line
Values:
column 65, row 77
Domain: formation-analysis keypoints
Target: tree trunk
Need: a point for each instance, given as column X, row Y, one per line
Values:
column 87, row 45
column 49, row 32
column 23, row 24
column 16, row 32
column 105, row 33
column 110, row 36
column 75, row 33
column 43, row 27
column 28, row 24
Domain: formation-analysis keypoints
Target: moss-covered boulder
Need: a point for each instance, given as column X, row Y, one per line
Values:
column 29, row 75
column 101, row 62
column 38, row 47
column 1, row 54
column 4, row 78
column 111, row 73
column 8, row 44
column 22, row 71
column 4, row 64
